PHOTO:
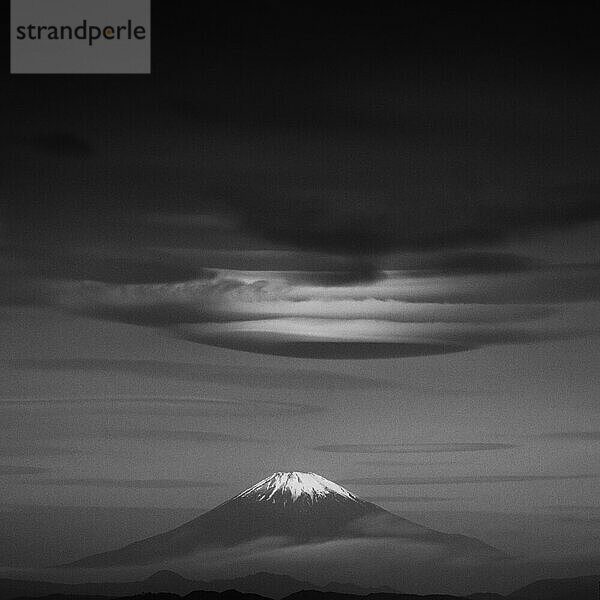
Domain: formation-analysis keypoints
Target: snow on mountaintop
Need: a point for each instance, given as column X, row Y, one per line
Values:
column 295, row 485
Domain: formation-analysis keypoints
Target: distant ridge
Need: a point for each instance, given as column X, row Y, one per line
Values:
column 235, row 595
column 572, row 588
column 266, row 584
column 162, row 585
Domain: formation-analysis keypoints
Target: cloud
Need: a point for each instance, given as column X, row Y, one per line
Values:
column 456, row 480
column 270, row 343
column 470, row 263
column 416, row 499
column 339, row 338
column 397, row 297
column 395, row 315
column 162, row 484
column 108, row 265
column 348, row 221
column 551, row 283
column 189, row 406
column 299, row 266
column 380, row 162
column 200, row 437
column 20, row 470
column 589, row 520
column 393, row 213
column 405, row 463
column 399, row 559
column 575, row 436
column 588, row 508
column 412, row 448
column 228, row 375
column 91, row 431
column 33, row 450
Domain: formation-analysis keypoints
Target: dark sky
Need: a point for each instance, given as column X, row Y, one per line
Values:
column 356, row 241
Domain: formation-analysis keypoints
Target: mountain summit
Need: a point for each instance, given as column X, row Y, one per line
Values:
column 305, row 488
column 290, row 508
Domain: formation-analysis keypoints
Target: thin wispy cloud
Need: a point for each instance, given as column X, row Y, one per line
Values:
column 20, row 470
column 581, row 520
column 468, row 479
column 573, row 436
column 588, row 508
column 100, row 482
column 158, row 435
column 267, row 377
column 409, row 499
column 406, row 463
column 413, row 448
column 158, row 405
column 19, row 449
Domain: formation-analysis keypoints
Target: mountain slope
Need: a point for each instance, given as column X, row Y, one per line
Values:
column 295, row 508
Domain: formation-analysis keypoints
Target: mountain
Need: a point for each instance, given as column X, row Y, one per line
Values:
column 294, row 509
column 574, row 588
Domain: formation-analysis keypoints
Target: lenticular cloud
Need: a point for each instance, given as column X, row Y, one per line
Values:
column 396, row 314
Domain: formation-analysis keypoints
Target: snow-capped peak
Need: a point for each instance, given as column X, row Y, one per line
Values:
column 295, row 485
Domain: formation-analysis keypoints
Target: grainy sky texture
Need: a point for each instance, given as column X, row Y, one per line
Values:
column 355, row 243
